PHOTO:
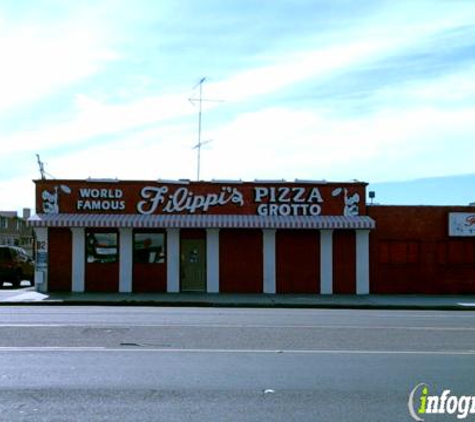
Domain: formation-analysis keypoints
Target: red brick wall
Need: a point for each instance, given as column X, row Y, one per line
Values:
column 60, row 260
column 344, row 262
column 411, row 252
column 298, row 261
column 148, row 278
column 240, row 261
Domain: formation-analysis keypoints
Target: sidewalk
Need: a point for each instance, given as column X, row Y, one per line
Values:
column 417, row 302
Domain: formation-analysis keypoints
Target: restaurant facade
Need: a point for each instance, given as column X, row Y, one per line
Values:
column 178, row 236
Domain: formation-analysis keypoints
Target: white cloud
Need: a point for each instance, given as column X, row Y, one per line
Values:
column 37, row 61
column 149, row 154
column 284, row 143
column 415, row 129
column 49, row 62
column 17, row 194
column 94, row 119
column 445, row 90
column 275, row 143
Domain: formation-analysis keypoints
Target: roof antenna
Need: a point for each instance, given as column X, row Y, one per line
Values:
column 200, row 100
column 41, row 166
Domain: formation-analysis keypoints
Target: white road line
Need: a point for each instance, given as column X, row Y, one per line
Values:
column 238, row 351
column 52, row 349
column 331, row 327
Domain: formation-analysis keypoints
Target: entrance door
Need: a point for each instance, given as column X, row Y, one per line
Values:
column 193, row 265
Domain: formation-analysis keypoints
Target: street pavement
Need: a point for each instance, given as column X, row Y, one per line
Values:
column 29, row 295
column 125, row 363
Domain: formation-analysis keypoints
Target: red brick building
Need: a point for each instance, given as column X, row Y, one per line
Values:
column 245, row 237
column 422, row 249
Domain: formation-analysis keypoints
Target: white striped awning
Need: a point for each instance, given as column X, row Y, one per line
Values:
column 202, row 221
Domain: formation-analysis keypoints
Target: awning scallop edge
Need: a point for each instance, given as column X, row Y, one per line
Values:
column 202, row 221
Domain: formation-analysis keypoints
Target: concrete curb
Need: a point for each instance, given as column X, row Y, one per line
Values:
column 31, row 297
column 264, row 305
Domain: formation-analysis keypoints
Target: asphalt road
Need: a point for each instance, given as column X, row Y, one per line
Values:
column 187, row 364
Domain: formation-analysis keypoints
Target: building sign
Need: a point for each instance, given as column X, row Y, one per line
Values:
column 100, row 200
column 298, row 200
column 149, row 198
column 185, row 200
column 461, row 224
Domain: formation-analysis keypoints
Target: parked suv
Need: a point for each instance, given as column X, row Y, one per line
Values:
column 15, row 266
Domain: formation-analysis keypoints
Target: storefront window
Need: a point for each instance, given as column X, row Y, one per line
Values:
column 101, row 247
column 149, row 248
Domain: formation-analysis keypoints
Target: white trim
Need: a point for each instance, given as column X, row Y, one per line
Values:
column 326, row 262
column 79, row 259
column 173, row 260
column 362, row 262
column 269, row 257
column 125, row 260
column 212, row 260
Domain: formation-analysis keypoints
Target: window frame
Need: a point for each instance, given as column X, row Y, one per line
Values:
column 95, row 258
column 160, row 257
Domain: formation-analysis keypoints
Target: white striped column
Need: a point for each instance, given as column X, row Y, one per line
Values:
column 173, row 260
column 362, row 262
column 326, row 262
column 79, row 259
column 125, row 259
column 269, row 261
column 212, row 260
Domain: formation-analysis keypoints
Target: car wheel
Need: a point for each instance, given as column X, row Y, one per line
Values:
column 17, row 281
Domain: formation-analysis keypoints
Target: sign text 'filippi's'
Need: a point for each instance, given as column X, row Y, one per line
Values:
column 183, row 200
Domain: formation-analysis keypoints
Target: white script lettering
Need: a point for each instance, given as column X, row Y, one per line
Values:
column 185, row 200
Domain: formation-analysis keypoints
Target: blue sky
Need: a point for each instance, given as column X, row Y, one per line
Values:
column 379, row 91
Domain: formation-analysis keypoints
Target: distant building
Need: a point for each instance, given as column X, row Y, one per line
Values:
column 14, row 230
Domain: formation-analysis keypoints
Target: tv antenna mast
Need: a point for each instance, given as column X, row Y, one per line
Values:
column 41, row 166
column 200, row 101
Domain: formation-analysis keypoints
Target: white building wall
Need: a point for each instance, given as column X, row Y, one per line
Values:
column 173, row 260
column 362, row 262
column 212, row 260
column 125, row 260
column 269, row 257
column 79, row 259
column 326, row 262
